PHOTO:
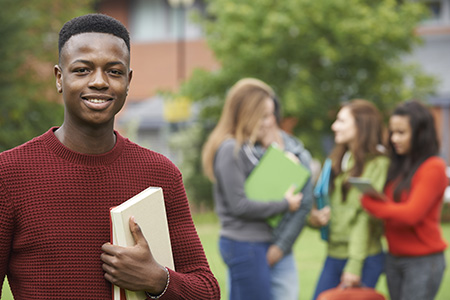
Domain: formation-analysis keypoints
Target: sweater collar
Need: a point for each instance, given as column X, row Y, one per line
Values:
column 52, row 142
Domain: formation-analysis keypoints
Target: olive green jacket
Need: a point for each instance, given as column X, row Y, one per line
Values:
column 354, row 234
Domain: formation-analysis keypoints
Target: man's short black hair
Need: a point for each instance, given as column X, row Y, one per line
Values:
column 92, row 23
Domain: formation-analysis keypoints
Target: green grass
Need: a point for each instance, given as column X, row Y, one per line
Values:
column 6, row 293
column 309, row 252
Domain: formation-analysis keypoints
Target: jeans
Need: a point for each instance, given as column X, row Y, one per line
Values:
column 285, row 282
column 414, row 278
column 333, row 269
column 249, row 272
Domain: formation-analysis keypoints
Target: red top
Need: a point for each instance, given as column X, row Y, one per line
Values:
column 412, row 226
column 54, row 218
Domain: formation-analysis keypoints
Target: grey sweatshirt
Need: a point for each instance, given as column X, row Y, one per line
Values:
column 241, row 218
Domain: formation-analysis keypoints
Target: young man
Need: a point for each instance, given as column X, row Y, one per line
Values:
column 56, row 190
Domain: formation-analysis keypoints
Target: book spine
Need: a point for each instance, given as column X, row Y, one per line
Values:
column 118, row 222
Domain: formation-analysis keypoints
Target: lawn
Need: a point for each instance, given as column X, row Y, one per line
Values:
column 309, row 252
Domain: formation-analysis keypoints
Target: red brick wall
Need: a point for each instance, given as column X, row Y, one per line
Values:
column 118, row 9
column 155, row 66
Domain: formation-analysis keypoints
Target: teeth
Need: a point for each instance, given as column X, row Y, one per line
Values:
column 96, row 100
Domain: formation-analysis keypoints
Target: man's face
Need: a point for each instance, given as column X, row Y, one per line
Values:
column 93, row 75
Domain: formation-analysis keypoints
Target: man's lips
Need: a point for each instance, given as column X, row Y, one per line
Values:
column 97, row 98
column 97, row 102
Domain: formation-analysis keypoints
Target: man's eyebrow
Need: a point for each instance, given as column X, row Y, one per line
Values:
column 88, row 62
column 113, row 63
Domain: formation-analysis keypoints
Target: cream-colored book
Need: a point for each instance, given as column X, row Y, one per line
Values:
column 149, row 211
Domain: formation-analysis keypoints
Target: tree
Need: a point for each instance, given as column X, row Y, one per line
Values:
column 315, row 54
column 29, row 31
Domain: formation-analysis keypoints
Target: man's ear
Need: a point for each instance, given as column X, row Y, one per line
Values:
column 130, row 75
column 58, row 77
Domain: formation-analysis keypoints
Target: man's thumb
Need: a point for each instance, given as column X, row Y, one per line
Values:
column 136, row 231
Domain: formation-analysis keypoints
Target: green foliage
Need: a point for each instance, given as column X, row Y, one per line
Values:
column 29, row 31
column 22, row 120
column 198, row 189
column 318, row 53
column 315, row 54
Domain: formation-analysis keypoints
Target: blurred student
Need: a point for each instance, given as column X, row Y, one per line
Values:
column 245, row 236
column 355, row 255
column 56, row 190
column 285, row 278
column 411, row 212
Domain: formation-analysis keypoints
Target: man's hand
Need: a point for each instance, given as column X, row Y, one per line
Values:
column 274, row 254
column 133, row 268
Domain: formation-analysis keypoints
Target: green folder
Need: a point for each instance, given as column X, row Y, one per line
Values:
column 273, row 176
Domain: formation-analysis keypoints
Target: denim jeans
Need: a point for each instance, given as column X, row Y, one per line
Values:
column 285, row 281
column 333, row 269
column 249, row 272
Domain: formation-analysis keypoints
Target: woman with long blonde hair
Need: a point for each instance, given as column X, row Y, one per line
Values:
column 245, row 236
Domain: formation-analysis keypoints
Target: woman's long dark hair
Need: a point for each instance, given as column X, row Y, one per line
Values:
column 424, row 144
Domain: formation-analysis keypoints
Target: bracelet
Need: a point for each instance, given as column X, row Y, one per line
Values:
column 165, row 288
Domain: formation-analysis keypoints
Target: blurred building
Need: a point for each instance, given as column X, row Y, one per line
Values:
column 167, row 46
column 434, row 59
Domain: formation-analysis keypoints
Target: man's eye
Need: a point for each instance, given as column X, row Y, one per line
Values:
column 116, row 72
column 81, row 70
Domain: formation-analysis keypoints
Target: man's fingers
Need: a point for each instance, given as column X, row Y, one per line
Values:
column 136, row 232
column 109, row 249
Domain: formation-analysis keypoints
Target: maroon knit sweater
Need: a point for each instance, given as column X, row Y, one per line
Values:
column 54, row 218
